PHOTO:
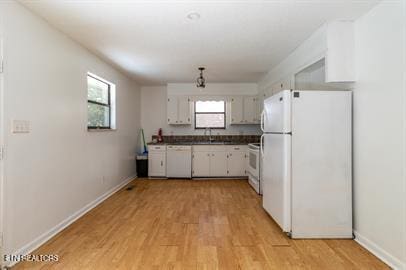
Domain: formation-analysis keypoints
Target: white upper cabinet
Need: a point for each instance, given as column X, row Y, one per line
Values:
column 250, row 109
column 184, row 110
column 178, row 110
column 284, row 84
column 236, row 110
column 172, row 110
column 244, row 110
column 260, row 102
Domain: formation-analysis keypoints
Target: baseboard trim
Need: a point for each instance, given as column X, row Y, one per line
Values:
column 383, row 255
column 40, row 240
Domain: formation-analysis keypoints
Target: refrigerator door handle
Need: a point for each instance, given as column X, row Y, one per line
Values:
column 262, row 120
column 261, row 146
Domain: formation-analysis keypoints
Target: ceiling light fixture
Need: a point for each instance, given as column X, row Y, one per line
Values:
column 193, row 16
column 201, row 81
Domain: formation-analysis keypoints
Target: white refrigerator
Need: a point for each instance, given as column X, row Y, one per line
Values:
column 307, row 169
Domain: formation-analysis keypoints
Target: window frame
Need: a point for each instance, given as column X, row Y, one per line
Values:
column 224, row 113
column 108, row 104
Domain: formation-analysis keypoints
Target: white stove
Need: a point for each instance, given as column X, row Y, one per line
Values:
column 254, row 165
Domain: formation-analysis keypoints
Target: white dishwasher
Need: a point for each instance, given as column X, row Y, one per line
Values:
column 179, row 161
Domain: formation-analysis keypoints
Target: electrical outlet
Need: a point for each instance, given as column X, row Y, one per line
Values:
column 20, row 126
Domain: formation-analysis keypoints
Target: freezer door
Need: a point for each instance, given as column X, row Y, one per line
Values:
column 277, row 113
column 276, row 178
column 321, row 164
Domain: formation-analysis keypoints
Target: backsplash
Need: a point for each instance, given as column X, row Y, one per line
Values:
column 199, row 138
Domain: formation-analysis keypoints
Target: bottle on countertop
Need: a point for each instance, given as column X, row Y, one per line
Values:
column 160, row 138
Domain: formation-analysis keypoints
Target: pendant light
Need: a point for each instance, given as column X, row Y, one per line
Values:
column 201, row 81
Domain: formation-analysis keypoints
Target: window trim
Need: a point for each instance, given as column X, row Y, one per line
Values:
column 108, row 104
column 224, row 113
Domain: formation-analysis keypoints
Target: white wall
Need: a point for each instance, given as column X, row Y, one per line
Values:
column 379, row 135
column 379, row 125
column 309, row 52
column 154, row 102
column 59, row 167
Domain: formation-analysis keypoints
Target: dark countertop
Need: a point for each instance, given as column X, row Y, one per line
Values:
column 200, row 143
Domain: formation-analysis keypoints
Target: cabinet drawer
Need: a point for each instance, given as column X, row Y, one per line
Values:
column 201, row 148
column 237, row 148
column 218, row 148
column 209, row 148
column 156, row 148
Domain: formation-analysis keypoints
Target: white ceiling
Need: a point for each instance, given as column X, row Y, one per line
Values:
column 154, row 42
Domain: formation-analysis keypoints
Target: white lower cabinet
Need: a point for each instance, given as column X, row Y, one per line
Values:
column 219, row 161
column 157, row 161
column 218, row 164
column 236, row 164
column 200, row 163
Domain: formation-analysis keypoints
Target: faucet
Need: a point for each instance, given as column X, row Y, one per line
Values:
column 210, row 136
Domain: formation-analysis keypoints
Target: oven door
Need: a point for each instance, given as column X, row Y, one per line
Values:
column 253, row 162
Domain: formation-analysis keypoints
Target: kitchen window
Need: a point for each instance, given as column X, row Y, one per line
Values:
column 100, row 103
column 210, row 114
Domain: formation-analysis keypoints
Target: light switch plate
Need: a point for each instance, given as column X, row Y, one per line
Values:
column 20, row 126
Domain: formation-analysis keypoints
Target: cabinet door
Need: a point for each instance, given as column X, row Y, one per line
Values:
column 285, row 84
column 268, row 92
column 184, row 110
column 237, row 116
column 218, row 164
column 201, row 164
column 172, row 110
column 157, row 164
column 258, row 108
column 236, row 164
column 249, row 110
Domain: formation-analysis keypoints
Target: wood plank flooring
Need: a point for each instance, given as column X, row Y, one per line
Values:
column 183, row 224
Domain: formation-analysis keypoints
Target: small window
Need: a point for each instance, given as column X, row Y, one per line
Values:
column 210, row 114
column 99, row 103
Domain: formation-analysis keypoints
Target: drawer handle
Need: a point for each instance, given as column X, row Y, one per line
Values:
column 162, row 163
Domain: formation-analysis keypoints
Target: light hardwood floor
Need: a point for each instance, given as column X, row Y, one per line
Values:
column 183, row 224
